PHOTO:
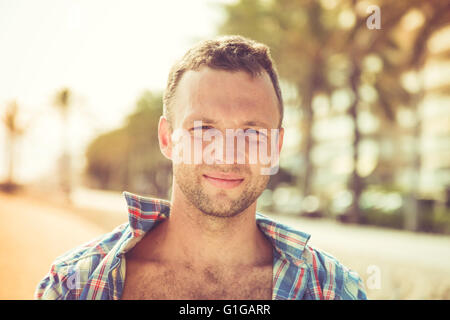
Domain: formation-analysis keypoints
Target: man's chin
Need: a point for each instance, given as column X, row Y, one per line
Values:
column 221, row 205
column 221, row 213
column 223, row 198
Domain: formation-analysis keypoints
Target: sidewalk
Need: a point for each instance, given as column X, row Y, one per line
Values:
column 32, row 234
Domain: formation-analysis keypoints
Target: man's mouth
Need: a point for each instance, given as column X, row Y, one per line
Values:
column 224, row 181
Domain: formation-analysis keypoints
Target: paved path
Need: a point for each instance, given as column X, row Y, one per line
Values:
column 32, row 235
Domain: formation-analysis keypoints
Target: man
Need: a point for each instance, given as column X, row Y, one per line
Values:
column 208, row 242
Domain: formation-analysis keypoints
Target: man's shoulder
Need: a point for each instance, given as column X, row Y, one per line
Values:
column 328, row 278
column 99, row 246
column 331, row 278
column 70, row 271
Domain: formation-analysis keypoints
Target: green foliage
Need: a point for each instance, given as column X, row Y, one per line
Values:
column 434, row 220
column 382, row 219
column 129, row 157
column 387, row 206
column 441, row 220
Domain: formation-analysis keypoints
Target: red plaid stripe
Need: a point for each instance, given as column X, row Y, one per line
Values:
column 281, row 235
column 137, row 233
column 78, row 293
column 277, row 275
column 316, row 276
column 329, row 291
column 138, row 214
column 100, row 250
column 135, row 212
column 98, row 282
column 299, row 283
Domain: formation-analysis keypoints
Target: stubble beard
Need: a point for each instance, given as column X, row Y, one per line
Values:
column 219, row 204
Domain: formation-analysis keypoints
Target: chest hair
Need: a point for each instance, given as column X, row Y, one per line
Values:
column 150, row 280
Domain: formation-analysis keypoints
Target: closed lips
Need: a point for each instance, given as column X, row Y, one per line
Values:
column 224, row 181
column 223, row 177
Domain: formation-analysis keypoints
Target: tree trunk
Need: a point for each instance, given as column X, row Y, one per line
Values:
column 65, row 165
column 10, row 152
column 308, row 144
column 411, row 217
column 356, row 183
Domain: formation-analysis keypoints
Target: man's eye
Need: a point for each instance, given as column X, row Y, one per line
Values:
column 201, row 128
column 255, row 132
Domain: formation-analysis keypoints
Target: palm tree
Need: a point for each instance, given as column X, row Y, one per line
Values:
column 358, row 43
column 63, row 102
column 13, row 131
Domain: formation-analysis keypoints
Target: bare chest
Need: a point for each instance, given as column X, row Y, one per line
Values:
column 145, row 281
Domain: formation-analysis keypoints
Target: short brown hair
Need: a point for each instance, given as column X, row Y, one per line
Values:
column 233, row 53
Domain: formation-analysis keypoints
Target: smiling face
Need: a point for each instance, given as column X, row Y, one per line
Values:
column 223, row 100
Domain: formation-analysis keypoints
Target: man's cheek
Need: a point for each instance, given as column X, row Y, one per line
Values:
column 255, row 171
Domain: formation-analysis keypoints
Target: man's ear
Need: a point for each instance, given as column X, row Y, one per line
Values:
column 280, row 141
column 165, row 137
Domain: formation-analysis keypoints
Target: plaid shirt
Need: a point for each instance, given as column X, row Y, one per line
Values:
column 96, row 270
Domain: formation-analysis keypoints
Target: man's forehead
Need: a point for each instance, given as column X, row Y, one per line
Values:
column 208, row 77
column 205, row 94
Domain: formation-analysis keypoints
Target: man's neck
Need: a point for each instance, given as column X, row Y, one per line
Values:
column 198, row 239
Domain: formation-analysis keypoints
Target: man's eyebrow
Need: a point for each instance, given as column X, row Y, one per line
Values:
column 255, row 124
column 204, row 120
column 251, row 123
column 207, row 120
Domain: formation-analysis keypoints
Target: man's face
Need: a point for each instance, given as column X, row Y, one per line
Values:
column 224, row 100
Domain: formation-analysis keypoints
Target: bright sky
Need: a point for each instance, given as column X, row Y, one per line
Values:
column 107, row 52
